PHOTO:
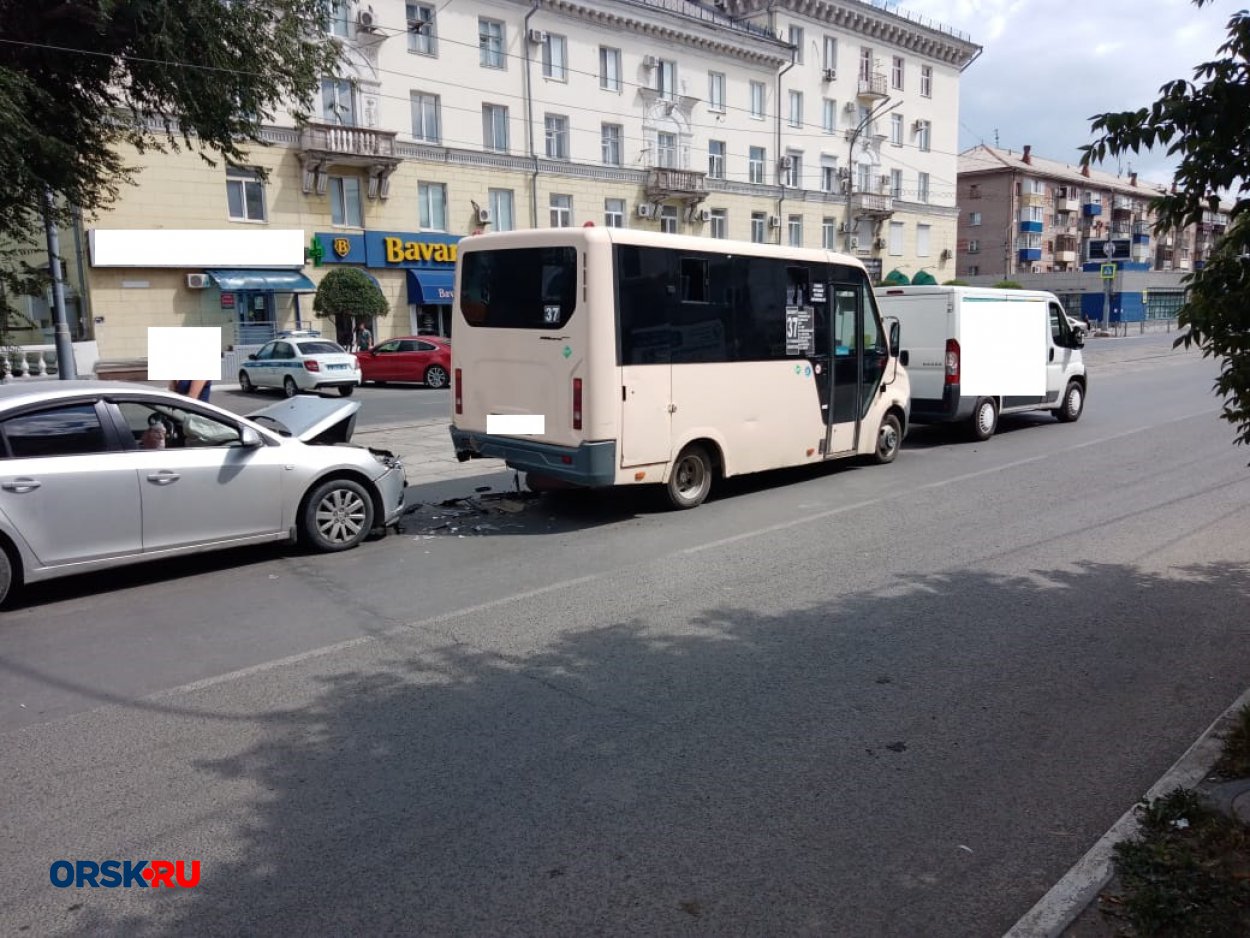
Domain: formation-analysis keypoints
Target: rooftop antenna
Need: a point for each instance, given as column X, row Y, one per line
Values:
column 995, row 137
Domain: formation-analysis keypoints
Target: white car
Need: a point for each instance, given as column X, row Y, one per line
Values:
column 298, row 363
column 96, row 474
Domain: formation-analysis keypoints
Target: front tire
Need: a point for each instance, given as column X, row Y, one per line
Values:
column 345, row 390
column 289, row 387
column 691, row 479
column 436, row 377
column 338, row 515
column 6, row 575
column 889, row 439
column 984, row 420
column 1072, row 404
column 245, row 383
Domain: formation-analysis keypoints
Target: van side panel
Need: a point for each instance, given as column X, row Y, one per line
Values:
column 1003, row 345
column 926, row 321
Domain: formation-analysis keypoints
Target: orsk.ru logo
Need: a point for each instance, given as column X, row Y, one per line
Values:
column 110, row 874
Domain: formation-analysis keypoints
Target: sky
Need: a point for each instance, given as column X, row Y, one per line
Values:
column 1047, row 66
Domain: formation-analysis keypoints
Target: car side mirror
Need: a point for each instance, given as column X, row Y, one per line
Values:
column 1078, row 338
column 252, row 357
column 249, row 438
column 895, row 332
column 904, row 358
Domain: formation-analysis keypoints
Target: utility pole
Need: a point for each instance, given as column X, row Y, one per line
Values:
column 65, row 369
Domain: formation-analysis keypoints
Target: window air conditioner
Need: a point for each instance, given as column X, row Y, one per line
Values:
column 537, row 36
column 785, row 164
column 705, row 214
column 880, row 243
column 366, row 20
column 483, row 216
column 644, row 210
column 844, row 228
column 916, row 125
column 649, row 61
column 829, row 74
column 774, row 221
column 849, row 107
column 854, row 242
column 197, row 281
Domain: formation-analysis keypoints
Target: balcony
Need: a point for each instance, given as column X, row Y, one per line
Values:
column 1065, row 257
column 1032, row 198
column 872, row 205
column 874, row 88
column 1030, row 254
column 324, row 145
column 664, row 183
column 1090, row 209
column 1066, row 204
column 1121, row 203
column 1141, row 237
column 1030, row 227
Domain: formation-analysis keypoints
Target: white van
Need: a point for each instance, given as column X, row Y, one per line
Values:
column 974, row 353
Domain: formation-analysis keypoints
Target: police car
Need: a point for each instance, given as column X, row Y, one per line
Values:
column 297, row 363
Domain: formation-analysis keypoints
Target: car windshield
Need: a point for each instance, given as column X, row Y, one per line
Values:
column 322, row 348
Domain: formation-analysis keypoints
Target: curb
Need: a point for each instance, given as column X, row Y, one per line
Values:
column 1080, row 886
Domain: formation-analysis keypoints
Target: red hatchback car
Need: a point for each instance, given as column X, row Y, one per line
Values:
column 422, row 358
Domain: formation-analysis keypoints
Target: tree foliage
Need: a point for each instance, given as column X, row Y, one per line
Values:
column 349, row 291
column 1008, row 285
column 1204, row 124
column 80, row 77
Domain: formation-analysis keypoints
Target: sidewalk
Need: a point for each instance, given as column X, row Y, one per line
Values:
column 425, row 447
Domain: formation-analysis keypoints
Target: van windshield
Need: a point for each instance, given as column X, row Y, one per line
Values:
column 519, row 288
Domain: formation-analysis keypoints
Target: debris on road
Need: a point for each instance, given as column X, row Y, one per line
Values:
column 467, row 515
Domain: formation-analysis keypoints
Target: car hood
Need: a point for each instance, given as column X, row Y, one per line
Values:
column 310, row 418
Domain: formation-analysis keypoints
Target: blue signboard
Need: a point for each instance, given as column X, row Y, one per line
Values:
column 338, row 248
column 397, row 249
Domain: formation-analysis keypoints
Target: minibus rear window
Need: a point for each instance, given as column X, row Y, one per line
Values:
column 518, row 288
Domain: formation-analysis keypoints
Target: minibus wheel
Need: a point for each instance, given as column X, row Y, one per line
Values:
column 691, row 479
column 889, row 439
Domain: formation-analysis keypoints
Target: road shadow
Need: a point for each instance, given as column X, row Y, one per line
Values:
column 921, row 760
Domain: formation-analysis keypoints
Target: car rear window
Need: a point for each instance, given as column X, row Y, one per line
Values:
column 322, row 348
column 519, row 288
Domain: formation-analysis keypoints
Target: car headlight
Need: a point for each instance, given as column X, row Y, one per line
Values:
column 386, row 458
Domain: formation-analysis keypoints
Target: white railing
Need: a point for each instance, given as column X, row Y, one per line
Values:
column 39, row 361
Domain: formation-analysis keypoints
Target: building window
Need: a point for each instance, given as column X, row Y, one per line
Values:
column 974, row 218
column 720, row 223
column 757, row 100
column 555, row 58
column 666, row 150
column 926, row 81
column 828, row 234
column 796, row 109
column 865, row 64
column 425, row 117
column 864, row 181
column 422, row 38
column 245, row 194
column 501, row 209
column 668, row 219
column 758, row 222
column 338, row 102
column 973, row 270
column 561, row 211
column 922, row 187
column 716, row 91
column 896, row 238
column 432, row 199
column 829, row 116
column 345, row 207
column 796, row 40
column 830, row 62
column 490, row 43
column 794, row 225
column 896, row 129
column 339, row 18
column 896, row 183
column 974, row 246
column 923, row 129
column 614, row 213
column 828, row 174
column 974, row 192
column 896, row 74
column 716, row 159
column 755, row 164
column 792, row 170
column 609, row 68
column 495, row 127
column 922, row 240
column 610, row 136
column 557, row 137
column 666, row 79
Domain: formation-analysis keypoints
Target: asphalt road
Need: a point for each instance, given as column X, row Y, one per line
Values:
column 858, row 701
column 392, row 404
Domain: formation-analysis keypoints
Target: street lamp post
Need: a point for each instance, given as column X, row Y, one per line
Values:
column 867, row 119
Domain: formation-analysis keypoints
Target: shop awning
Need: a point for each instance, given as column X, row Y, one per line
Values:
column 277, row 281
column 432, row 287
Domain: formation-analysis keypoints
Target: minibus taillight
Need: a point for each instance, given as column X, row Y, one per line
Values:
column 577, row 403
column 459, row 394
column 952, row 361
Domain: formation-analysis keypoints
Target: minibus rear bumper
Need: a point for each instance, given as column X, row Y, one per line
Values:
column 589, row 464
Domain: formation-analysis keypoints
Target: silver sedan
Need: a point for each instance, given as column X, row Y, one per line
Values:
column 96, row 474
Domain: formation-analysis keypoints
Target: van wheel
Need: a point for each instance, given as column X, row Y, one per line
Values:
column 984, row 419
column 691, row 479
column 1073, row 403
column 889, row 439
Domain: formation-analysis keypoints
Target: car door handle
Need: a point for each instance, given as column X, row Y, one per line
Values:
column 1052, row 354
column 164, row 477
column 21, row 485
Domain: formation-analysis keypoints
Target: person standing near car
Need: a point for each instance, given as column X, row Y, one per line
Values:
column 200, row 390
column 364, row 338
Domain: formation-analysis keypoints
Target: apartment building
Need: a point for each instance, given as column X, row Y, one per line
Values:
column 806, row 123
